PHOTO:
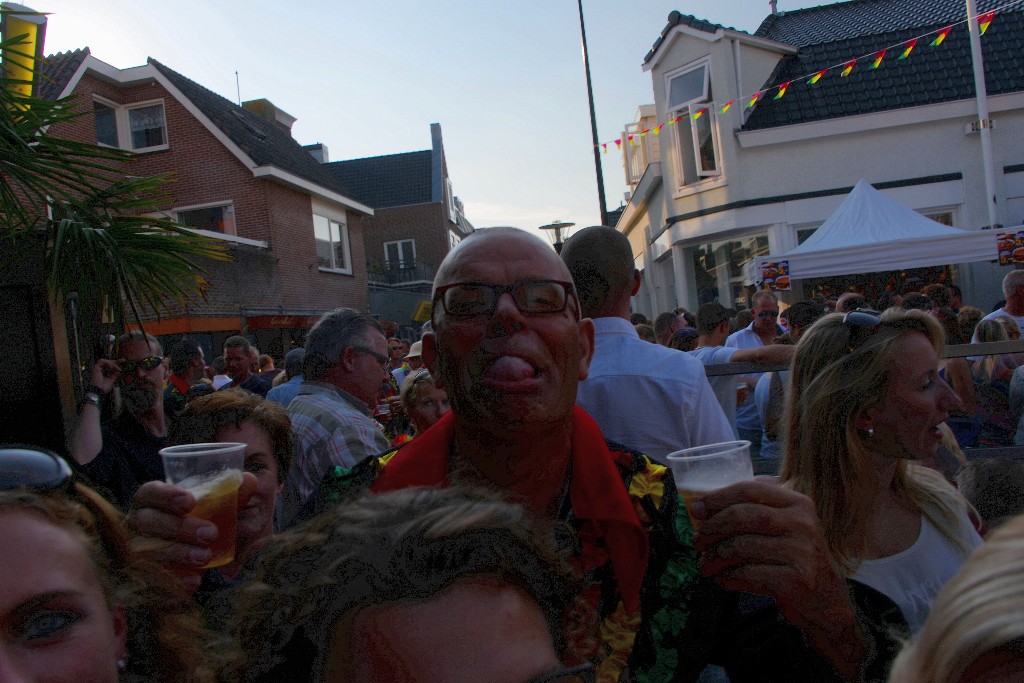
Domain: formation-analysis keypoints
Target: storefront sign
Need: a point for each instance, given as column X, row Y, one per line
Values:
column 775, row 276
column 1011, row 248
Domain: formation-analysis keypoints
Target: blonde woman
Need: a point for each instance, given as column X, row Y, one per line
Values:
column 976, row 628
column 992, row 373
column 865, row 402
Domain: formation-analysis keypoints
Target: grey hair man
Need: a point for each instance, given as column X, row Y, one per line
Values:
column 123, row 454
column 346, row 361
column 1013, row 291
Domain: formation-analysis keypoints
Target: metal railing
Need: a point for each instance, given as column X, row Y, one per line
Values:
column 400, row 272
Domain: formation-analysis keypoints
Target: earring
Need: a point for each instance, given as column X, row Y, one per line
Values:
column 121, row 664
column 869, row 432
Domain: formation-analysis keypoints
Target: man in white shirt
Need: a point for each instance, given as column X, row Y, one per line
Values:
column 1013, row 290
column 651, row 398
column 758, row 333
column 713, row 328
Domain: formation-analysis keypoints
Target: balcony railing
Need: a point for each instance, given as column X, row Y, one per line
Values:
column 400, row 272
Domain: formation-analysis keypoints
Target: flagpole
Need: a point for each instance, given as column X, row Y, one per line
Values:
column 981, row 94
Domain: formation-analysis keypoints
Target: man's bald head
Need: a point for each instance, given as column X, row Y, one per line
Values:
column 600, row 261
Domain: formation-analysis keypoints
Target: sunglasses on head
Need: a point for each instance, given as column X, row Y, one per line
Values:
column 147, row 364
column 33, row 468
column 861, row 323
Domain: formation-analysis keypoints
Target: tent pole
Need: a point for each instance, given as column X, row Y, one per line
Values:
column 981, row 95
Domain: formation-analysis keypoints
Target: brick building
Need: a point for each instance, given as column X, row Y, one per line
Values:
column 239, row 176
column 416, row 220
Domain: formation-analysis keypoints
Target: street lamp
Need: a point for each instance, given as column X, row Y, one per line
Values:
column 21, row 59
column 556, row 229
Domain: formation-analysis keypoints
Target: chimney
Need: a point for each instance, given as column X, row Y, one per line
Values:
column 774, row 5
column 318, row 151
column 267, row 111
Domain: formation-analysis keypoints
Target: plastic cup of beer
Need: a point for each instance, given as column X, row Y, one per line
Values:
column 212, row 472
column 703, row 469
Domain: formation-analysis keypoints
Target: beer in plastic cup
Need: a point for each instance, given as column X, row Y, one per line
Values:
column 212, row 472
column 703, row 469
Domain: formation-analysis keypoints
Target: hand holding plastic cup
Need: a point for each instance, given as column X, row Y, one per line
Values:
column 212, row 472
column 703, row 469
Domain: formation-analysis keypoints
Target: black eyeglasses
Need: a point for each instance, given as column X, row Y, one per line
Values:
column 385, row 361
column 862, row 323
column 467, row 299
column 147, row 364
column 577, row 674
column 33, row 468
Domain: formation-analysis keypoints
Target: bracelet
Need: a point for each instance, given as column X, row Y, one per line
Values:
column 93, row 389
column 90, row 399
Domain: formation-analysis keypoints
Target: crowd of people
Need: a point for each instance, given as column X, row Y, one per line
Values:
column 490, row 503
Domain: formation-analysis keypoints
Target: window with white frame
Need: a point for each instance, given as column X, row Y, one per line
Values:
column 690, row 100
column 332, row 248
column 400, row 254
column 141, row 127
column 213, row 218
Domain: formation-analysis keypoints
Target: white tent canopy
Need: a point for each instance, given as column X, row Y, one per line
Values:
column 870, row 232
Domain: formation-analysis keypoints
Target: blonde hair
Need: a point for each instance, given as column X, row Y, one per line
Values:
column 980, row 610
column 990, row 330
column 833, row 379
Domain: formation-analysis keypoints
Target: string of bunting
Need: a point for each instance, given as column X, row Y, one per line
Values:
column 906, row 47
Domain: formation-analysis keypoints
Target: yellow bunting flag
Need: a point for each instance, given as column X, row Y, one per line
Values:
column 816, row 77
column 754, row 100
column 782, row 90
column 848, row 67
column 941, row 36
column 984, row 20
column 908, row 47
column 726, row 107
column 878, row 56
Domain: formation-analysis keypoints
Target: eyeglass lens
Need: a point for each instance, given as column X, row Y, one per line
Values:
column 530, row 296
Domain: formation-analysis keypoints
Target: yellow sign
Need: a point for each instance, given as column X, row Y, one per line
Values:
column 422, row 313
column 25, row 29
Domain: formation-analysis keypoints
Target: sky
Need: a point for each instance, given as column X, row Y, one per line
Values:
column 503, row 78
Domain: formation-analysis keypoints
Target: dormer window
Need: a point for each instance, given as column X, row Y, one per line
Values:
column 690, row 100
column 141, row 127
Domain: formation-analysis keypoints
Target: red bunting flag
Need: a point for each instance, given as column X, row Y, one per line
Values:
column 644, row 133
column 618, row 143
column 848, row 67
column 941, row 36
column 726, row 107
column 604, row 146
column 984, row 20
column 782, row 90
column 908, row 47
column 700, row 113
column 754, row 100
column 657, row 129
column 631, row 141
column 879, row 56
column 817, row 77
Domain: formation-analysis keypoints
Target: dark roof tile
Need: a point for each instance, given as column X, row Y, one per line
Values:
column 387, row 181
column 676, row 18
column 264, row 142
column 929, row 75
column 57, row 71
column 844, row 20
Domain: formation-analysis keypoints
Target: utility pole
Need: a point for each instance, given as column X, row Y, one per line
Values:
column 593, row 121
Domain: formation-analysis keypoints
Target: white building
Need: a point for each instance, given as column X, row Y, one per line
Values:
column 712, row 186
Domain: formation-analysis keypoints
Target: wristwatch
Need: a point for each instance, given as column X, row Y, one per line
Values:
column 91, row 399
